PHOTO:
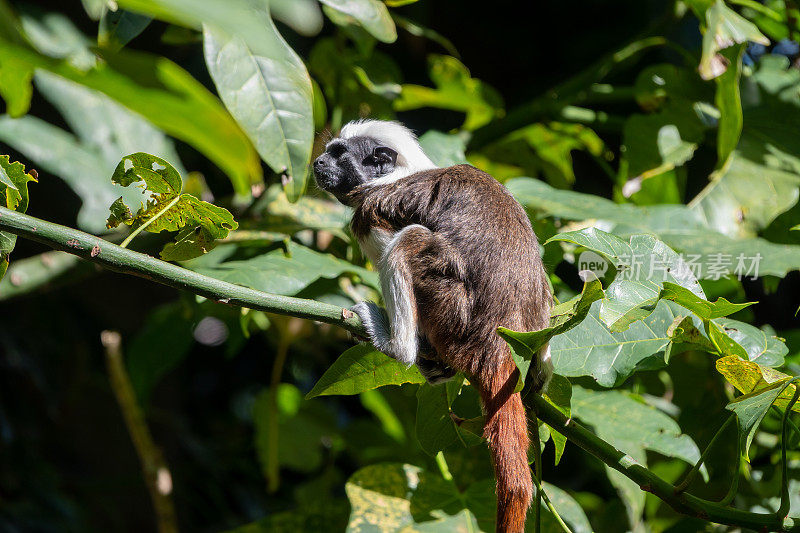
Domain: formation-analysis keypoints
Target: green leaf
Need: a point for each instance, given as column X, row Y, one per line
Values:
column 699, row 306
column 559, row 395
column 379, row 497
column 13, row 195
column 525, row 346
column 278, row 271
column 303, row 16
column 15, row 85
column 729, row 103
column 119, row 27
column 591, row 349
column 752, row 343
column 362, row 368
column 761, row 178
column 436, row 429
column 632, row 427
column 169, row 97
column 308, row 516
column 303, row 429
column 643, row 265
column 277, row 213
column 268, row 91
column 199, row 223
column 455, row 90
column 163, row 342
column 372, row 15
column 443, row 149
column 724, row 28
column 678, row 226
column 750, row 410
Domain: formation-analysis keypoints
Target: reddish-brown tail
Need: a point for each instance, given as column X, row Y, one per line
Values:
column 507, row 432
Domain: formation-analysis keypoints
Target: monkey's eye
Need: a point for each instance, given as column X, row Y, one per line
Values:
column 337, row 150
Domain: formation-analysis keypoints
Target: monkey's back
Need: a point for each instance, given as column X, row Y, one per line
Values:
column 481, row 269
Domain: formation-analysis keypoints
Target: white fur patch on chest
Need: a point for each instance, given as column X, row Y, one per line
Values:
column 375, row 244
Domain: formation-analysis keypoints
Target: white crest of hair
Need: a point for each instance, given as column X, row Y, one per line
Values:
column 410, row 156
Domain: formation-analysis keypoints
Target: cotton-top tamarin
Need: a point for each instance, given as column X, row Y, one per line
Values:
column 457, row 258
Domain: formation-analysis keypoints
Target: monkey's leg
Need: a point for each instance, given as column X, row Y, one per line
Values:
column 430, row 366
column 395, row 332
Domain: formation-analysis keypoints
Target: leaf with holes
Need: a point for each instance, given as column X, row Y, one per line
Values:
column 13, row 195
column 199, row 223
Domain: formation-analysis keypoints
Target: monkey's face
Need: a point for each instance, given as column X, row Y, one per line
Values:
column 348, row 163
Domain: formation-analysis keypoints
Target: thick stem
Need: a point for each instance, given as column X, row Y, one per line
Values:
column 127, row 261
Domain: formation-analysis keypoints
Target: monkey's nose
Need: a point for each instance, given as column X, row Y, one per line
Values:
column 319, row 164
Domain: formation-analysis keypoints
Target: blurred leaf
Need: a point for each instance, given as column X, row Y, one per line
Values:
column 525, row 346
column 15, row 85
column 462, row 522
column 371, row 14
column 455, row 90
column 633, row 427
column 170, row 98
column 362, row 368
column 278, row 214
column 119, row 27
column 268, row 91
column 443, row 149
column 678, row 226
column 374, row 401
column 418, row 30
column 303, row 16
column 163, row 342
column 729, row 103
column 303, row 429
column 310, row 516
column 199, row 223
column 43, row 272
column 436, row 429
column 13, row 195
column 379, row 497
column 276, row 271
column 54, row 35
column 553, row 144
column 761, row 179
column 724, row 28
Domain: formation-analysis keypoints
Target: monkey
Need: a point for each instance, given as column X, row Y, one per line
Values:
column 457, row 257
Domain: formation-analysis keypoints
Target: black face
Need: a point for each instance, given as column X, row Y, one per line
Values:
column 347, row 163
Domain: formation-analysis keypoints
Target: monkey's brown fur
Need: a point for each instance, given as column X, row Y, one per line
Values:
column 474, row 265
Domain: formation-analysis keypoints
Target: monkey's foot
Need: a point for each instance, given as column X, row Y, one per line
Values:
column 434, row 372
column 376, row 323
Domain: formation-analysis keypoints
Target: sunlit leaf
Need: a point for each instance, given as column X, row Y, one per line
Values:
column 166, row 209
column 13, row 195
column 268, row 91
column 362, row 368
column 724, row 28
column 455, row 90
column 704, row 309
column 372, row 15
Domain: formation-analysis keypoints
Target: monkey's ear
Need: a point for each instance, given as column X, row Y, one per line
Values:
column 384, row 154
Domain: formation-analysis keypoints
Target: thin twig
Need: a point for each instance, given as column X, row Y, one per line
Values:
column 154, row 468
column 682, row 486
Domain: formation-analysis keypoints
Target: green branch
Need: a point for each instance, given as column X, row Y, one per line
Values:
column 126, row 261
column 683, row 503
